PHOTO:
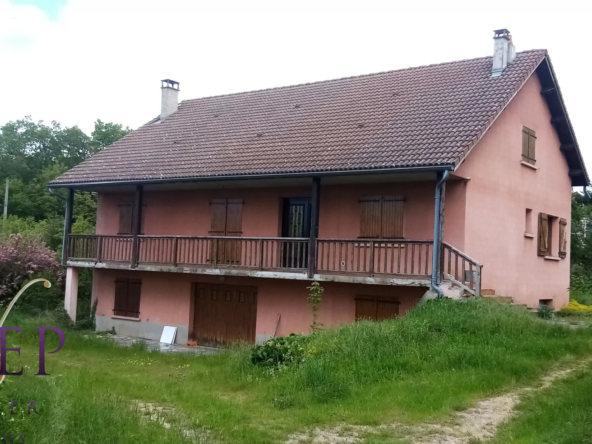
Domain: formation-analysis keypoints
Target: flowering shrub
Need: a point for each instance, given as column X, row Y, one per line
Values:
column 21, row 259
column 575, row 308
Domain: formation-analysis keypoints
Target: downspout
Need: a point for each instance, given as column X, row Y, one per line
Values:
column 437, row 232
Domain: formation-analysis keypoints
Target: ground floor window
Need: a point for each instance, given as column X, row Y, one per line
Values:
column 376, row 308
column 127, row 297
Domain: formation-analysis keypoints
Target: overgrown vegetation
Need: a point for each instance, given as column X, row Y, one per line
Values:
column 32, row 154
column 441, row 358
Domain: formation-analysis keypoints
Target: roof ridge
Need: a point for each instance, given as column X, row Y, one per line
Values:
column 317, row 82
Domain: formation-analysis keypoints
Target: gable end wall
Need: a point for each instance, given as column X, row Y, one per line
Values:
column 498, row 194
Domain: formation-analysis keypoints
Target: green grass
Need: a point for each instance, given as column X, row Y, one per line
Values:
column 561, row 414
column 440, row 358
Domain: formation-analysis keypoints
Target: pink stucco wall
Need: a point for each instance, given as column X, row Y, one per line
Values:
column 187, row 213
column 499, row 192
column 165, row 299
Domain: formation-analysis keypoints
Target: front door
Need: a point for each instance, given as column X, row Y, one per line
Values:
column 224, row 314
column 296, row 223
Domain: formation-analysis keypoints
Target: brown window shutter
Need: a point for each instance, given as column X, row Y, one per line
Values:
column 234, row 217
column 531, row 147
column 392, row 217
column 218, row 213
column 234, row 227
column 525, row 142
column 133, row 298
column 386, row 309
column 120, row 306
column 562, row 238
column 543, row 235
column 125, row 219
column 370, row 216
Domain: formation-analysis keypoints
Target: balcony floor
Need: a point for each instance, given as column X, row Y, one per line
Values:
column 379, row 279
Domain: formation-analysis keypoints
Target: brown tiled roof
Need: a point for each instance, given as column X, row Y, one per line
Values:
column 418, row 117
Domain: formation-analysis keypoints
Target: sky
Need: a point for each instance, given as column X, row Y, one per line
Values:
column 75, row 61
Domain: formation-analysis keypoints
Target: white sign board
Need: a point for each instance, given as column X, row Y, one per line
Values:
column 168, row 335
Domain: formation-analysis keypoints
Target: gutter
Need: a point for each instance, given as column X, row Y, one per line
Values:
column 437, row 233
column 429, row 169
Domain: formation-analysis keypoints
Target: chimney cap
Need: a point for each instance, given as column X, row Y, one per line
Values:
column 501, row 33
column 168, row 83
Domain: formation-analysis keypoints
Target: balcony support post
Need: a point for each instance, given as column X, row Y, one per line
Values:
column 314, row 226
column 137, row 224
column 67, row 226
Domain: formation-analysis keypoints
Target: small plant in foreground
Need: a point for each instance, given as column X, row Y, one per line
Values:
column 545, row 312
column 315, row 298
column 278, row 351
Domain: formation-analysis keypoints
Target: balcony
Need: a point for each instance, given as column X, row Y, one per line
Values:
column 373, row 261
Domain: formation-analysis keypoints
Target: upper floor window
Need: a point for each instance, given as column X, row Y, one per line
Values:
column 381, row 217
column 528, row 145
column 126, row 211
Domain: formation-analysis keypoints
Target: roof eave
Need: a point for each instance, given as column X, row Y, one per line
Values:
column 421, row 169
column 560, row 120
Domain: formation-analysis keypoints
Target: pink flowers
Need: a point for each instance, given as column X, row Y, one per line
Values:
column 20, row 258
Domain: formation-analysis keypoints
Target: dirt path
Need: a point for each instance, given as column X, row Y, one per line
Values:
column 479, row 422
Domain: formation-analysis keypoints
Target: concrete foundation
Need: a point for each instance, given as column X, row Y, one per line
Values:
column 140, row 329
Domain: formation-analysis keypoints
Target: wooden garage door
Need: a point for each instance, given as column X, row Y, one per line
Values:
column 376, row 308
column 224, row 314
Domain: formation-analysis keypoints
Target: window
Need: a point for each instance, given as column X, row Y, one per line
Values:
column 381, row 217
column 227, row 220
column 126, row 218
column 552, row 231
column 528, row 223
column 376, row 308
column 528, row 145
column 127, row 297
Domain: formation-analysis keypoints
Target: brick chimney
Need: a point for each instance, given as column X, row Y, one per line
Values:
column 170, row 98
column 504, row 52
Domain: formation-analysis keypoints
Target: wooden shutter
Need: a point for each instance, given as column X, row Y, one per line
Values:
column 218, row 213
column 234, row 227
column 562, row 238
column 525, row 138
column 386, row 309
column 531, row 147
column 125, row 219
column 133, row 298
column 371, row 216
column 120, row 306
column 543, row 235
column 365, row 308
column 528, row 145
column 392, row 217
column 376, row 308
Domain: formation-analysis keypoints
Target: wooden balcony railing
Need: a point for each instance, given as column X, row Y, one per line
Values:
column 375, row 257
column 365, row 257
column 460, row 269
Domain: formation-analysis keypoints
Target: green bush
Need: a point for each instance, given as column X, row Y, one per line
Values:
column 545, row 312
column 278, row 351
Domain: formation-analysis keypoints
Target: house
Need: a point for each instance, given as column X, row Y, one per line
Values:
column 452, row 179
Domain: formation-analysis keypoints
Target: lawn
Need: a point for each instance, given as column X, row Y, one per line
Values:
column 439, row 359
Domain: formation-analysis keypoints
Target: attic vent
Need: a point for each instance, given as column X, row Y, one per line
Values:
column 216, row 115
column 259, row 134
column 296, row 106
column 361, row 125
